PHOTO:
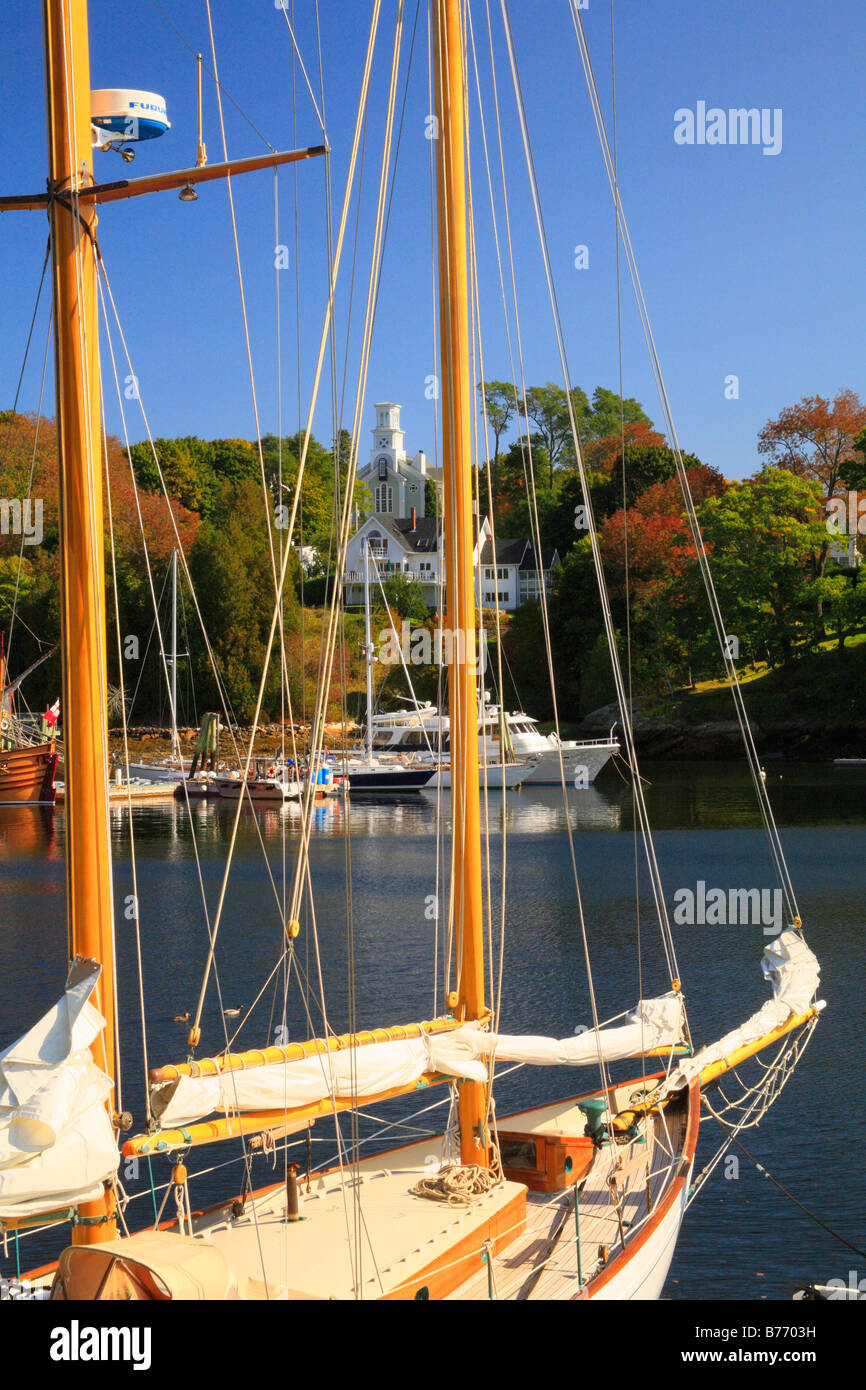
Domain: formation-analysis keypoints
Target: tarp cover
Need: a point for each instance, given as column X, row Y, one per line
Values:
column 793, row 974
column 368, row 1071
column 56, row 1140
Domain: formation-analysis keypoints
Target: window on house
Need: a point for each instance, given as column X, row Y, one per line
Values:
column 384, row 499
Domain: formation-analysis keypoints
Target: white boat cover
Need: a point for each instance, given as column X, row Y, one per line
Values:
column 793, row 973
column 368, row 1071
column 56, row 1140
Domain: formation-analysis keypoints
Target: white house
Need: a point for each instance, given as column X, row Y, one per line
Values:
column 404, row 540
column 405, row 545
column 413, row 546
column 511, row 572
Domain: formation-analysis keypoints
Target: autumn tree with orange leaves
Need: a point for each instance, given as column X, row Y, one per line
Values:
column 815, row 439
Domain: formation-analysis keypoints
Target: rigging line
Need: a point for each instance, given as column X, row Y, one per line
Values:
column 212, row 74
column 762, row 794
column 297, row 53
column 317, row 730
column 30, row 480
column 266, row 497
column 496, row 993
column 625, row 713
column 481, row 720
column 132, row 855
column 301, row 467
column 439, row 931
column 628, row 624
column 14, row 410
column 147, row 644
column 157, row 624
column 478, row 372
column 745, row 1122
column 791, row 1198
column 545, row 620
column 223, row 693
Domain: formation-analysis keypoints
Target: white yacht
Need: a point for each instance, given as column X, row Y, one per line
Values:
column 421, row 731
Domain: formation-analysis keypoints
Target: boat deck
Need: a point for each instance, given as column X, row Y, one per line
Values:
column 543, row 1262
column 365, row 1234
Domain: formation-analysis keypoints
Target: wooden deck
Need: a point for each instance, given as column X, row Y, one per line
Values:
column 543, row 1262
column 499, row 1248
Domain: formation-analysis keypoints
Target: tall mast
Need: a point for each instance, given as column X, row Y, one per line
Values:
column 456, row 395
column 175, row 741
column 368, row 650
column 73, row 228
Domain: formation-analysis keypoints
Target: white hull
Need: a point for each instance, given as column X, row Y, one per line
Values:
column 157, row 772
column 582, row 763
column 643, row 1275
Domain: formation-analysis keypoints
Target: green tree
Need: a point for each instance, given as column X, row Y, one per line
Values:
column 605, row 416
column 762, row 533
column 231, row 569
column 547, row 407
column 500, row 402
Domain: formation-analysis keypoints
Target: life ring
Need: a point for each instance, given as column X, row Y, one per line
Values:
column 4, row 723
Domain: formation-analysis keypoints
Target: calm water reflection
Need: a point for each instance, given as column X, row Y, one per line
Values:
column 741, row 1239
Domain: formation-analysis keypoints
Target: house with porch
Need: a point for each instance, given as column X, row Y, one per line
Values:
column 413, row 546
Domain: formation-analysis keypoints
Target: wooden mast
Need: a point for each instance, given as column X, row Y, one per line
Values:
column 456, row 395
column 73, row 228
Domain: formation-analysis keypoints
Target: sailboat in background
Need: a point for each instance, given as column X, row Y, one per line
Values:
column 174, row 768
column 581, row 1199
column 28, row 764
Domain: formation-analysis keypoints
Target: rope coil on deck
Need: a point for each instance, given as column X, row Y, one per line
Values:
column 458, row 1185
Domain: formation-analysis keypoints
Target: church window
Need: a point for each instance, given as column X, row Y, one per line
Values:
column 384, row 499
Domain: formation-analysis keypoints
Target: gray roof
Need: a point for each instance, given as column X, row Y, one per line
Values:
column 517, row 552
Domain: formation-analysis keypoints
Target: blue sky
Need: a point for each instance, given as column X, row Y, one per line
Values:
column 752, row 264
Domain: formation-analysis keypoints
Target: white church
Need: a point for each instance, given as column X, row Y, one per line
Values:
column 397, row 484
column 402, row 538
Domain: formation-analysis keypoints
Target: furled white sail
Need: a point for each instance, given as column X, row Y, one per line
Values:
column 793, row 973
column 655, row 1023
column 57, row 1145
column 367, row 1071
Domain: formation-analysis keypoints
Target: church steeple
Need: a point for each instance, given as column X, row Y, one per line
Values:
column 396, row 482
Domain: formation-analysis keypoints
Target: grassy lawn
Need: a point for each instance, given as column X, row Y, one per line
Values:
column 824, row 685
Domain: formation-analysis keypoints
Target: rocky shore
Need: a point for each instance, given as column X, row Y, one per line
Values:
column 685, row 740
column 152, row 742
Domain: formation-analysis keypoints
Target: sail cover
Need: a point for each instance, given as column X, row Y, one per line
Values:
column 793, row 973
column 372, row 1070
column 56, row 1140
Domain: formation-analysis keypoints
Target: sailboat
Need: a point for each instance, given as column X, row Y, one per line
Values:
column 28, row 765
column 581, row 1199
column 175, row 768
